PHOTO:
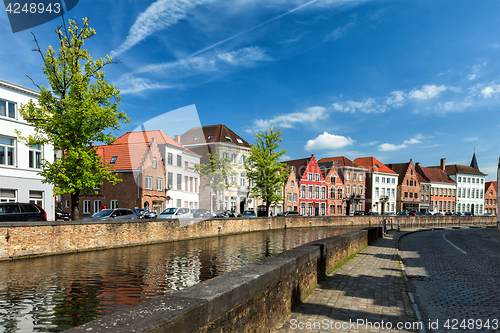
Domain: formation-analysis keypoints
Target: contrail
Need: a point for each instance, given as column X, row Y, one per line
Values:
column 253, row 28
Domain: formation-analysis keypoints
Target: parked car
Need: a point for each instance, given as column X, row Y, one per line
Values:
column 419, row 213
column 412, row 213
column 359, row 213
column 114, row 214
column 458, row 214
column 176, row 213
column 290, row 213
column 389, row 214
column 468, row 214
column 225, row 213
column 249, row 213
column 402, row 214
column 375, row 214
column 448, row 214
column 488, row 214
column 428, row 214
column 438, row 214
column 14, row 211
column 201, row 214
column 60, row 215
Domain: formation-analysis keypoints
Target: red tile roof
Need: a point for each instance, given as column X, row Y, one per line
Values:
column 128, row 156
column 147, row 136
column 372, row 164
column 457, row 168
column 493, row 184
column 340, row 161
column 435, row 175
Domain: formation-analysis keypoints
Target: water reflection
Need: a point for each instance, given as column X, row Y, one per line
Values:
column 51, row 294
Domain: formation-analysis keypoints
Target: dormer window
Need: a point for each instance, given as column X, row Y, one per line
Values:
column 228, row 139
column 239, row 140
column 210, row 137
column 197, row 138
column 113, row 159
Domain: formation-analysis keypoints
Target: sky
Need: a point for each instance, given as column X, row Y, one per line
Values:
column 397, row 80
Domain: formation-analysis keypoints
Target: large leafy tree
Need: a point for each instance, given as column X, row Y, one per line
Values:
column 215, row 175
column 79, row 107
column 264, row 168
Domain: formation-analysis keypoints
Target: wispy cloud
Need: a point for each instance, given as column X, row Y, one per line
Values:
column 133, row 85
column 158, row 16
column 328, row 141
column 289, row 120
column 340, row 31
column 471, row 139
column 428, row 91
column 392, row 147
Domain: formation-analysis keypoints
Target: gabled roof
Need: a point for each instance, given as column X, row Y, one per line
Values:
column 298, row 166
column 147, row 136
column 435, row 175
column 339, row 161
column 400, row 169
column 212, row 134
column 372, row 164
column 493, row 184
column 129, row 156
column 457, row 168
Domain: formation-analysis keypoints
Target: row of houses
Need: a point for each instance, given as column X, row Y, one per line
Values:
column 339, row 186
column 157, row 173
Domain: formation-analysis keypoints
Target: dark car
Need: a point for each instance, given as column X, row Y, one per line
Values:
column 402, row 214
column 225, row 213
column 290, row 213
column 249, row 213
column 438, row 214
column 359, row 213
column 428, row 214
column 145, row 214
column 114, row 214
column 458, row 214
column 468, row 214
column 412, row 214
column 375, row 214
column 60, row 215
column 201, row 214
column 448, row 214
column 13, row 211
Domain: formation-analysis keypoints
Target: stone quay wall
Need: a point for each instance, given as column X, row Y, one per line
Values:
column 254, row 298
column 31, row 239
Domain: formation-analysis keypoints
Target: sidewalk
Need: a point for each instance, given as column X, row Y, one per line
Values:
column 366, row 294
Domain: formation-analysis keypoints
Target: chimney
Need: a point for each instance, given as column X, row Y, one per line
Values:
column 443, row 164
column 177, row 139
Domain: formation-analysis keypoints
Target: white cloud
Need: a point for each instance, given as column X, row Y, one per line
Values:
column 427, row 91
column 245, row 57
column 396, row 99
column 290, row 119
column 490, row 91
column 328, row 141
column 285, row 158
column 133, row 85
column 392, row 147
column 470, row 139
column 369, row 105
column 340, row 31
column 158, row 16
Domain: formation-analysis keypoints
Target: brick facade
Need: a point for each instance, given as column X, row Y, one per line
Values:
column 408, row 194
column 335, row 192
column 291, row 194
column 490, row 198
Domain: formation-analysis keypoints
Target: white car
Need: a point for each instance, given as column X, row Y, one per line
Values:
column 176, row 213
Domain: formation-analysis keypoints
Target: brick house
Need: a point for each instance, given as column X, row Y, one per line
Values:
column 425, row 194
column 381, row 186
column 335, row 191
column 442, row 188
column 141, row 169
column 312, row 186
column 353, row 179
column 291, row 194
column 490, row 197
column 408, row 196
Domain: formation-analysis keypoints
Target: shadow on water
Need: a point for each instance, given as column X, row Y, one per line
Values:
column 54, row 293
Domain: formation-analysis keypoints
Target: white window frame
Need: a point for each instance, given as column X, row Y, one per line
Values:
column 159, row 184
column 35, row 157
column 113, row 204
column 97, row 206
column 34, row 198
column 7, row 109
column 86, row 206
column 149, row 183
column 8, row 198
column 6, row 148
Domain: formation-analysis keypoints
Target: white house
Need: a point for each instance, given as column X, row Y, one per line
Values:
column 20, row 164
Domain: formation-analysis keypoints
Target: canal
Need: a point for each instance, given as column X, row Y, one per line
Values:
column 54, row 293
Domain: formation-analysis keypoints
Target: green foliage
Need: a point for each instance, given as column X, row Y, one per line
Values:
column 216, row 174
column 78, row 108
column 264, row 168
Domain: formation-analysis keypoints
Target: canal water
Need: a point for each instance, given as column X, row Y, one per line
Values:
column 54, row 293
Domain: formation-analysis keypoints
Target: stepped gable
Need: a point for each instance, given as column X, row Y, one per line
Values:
column 213, row 134
column 400, row 169
column 372, row 164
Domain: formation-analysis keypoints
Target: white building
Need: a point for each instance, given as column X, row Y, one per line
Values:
column 182, row 182
column 470, row 187
column 381, row 186
column 20, row 164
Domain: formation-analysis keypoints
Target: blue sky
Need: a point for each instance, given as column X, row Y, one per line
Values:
column 390, row 79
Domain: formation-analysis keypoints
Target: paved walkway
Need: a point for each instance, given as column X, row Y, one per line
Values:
column 367, row 294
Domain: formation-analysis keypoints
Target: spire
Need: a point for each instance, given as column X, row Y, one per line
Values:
column 473, row 163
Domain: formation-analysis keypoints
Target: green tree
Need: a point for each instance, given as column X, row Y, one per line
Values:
column 80, row 107
column 264, row 168
column 215, row 175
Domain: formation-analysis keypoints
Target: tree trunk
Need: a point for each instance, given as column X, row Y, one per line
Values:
column 75, row 211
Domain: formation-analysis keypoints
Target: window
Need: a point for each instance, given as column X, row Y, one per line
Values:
column 303, row 191
column 233, row 180
column 239, row 141
column 323, row 192
column 295, row 197
column 394, row 180
column 154, row 162
column 186, row 166
column 310, row 192
column 355, row 177
column 179, row 182
column 406, row 194
column 7, row 151
column 339, row 193
column 393, row 193
column 348, row 189
column 210, row 137
column 228, row 139
column 377, row 179
column 186, row 183
column 233, row 158
column 332, row 179
column 316, row 192
column 170, row 159
column 309, row 176
column 383, row 180
column 473, row 180
column 243, row 159
column 113, row 204
column 348, row 176
column 179, row 202
column 360, row 177
column 36, row 197
column 7, row 109
column 66, row 204
column 316, row 177
column 170, row 181
column 179, row 160
column 86, row 206
column 159, row 184
column 97, row 206
column 289, row 197
column 303, row 208
column 459, row 179
column 376, row 192
column 224, row 155
column 360, row 189
column 35, row 157
column 332, row 192
column 149, row 183
column 292, row 183
column 411, row 194
column 422, row 197
column 113, row 160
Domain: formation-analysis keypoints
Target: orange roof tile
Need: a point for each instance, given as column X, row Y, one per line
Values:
column 372, row 164
column 129, row 156
column 147, row 136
